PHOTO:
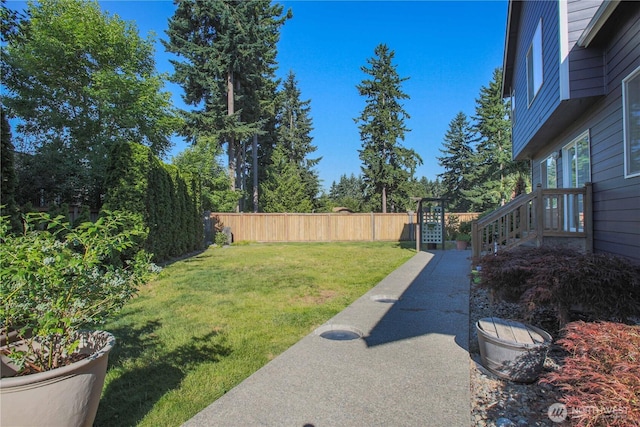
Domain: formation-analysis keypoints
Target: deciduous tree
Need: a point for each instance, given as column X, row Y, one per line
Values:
column 81, row 80
column 201, row 160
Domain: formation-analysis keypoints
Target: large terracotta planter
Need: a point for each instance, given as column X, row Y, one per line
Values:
column 66, row 396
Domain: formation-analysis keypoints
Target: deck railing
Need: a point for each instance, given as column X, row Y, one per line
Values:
column 543, row 213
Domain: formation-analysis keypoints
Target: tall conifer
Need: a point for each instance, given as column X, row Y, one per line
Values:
column 457, row 162
column 387, row 165
column 294, row 133
column 229, row 48
column 495, row 174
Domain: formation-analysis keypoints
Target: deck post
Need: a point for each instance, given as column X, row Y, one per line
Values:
column 475, row 239
column 588, row 217
column 539, row 210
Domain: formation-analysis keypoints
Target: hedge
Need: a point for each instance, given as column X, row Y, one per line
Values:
column 168, row 201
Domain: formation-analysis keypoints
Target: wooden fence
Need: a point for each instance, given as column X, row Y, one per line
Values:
column 322, row 227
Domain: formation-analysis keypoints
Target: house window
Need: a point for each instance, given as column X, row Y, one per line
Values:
column 631, row 118
column 513, row 107
column 576, row 164
column 549, row 172
column 534, row 64
column 549, row 176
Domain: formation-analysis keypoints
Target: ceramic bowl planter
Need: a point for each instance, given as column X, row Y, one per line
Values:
column 512, row 350
column 65, row 396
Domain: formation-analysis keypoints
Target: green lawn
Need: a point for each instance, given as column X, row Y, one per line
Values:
column 210, row 321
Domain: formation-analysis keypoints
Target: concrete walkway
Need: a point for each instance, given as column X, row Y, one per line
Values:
column 409, row 368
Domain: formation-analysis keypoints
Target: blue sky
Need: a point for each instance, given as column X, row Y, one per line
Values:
column 448, row 49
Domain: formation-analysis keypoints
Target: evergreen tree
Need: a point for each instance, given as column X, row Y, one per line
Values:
column 8, row 205
column 284, row 191
column 294, row 134
column 229, row 51
column 80, row 81
column 457, row 161
column 348, row 192
column 495, row 175
column 387, row 165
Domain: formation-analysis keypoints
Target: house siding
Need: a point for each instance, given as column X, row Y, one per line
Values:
column 616, row 199
column 586, row 66
column 531, row 117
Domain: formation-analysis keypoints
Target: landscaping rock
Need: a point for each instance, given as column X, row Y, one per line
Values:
column 502, row 403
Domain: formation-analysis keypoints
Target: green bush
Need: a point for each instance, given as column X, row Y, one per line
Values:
column 167, row 201
column 56, row 280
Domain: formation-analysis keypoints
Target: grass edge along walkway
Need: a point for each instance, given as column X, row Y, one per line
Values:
column 210, row 321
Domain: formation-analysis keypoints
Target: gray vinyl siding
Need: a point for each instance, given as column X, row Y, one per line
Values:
column 616, row 204
column 531, row 117
column 586, row 66
column 616, row 199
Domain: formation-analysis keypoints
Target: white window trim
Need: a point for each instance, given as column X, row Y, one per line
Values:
column 544, row 174
column 536, row 90
column 625, row 125
column 513, row 107
column 569, row 225
column 563, row 26
column 566, row 169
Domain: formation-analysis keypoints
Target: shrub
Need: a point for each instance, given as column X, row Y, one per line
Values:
column 56, row 280
column 452, row 226
column 600, row 377
column 604, row 286
column 167, row 201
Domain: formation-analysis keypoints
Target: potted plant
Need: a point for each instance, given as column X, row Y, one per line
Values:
column 462, row 241
column 56, row 282
column 463, row 236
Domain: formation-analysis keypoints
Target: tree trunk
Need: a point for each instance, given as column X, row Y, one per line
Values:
column 254, row 152
column 231, row 141
column 239, row 180
column 384, row 199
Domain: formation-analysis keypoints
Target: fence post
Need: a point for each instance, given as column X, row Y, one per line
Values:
column 373, row 228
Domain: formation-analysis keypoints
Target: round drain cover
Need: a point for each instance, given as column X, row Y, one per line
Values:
column 339, row 332
column 340, row 335
column 384, row 299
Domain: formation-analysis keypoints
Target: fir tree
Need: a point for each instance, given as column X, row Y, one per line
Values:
column 387, row 165
column 457, row 162
column 348, row 192
column 294, row 133
column 284, row 191
column 495, row 175
column 229, row 51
